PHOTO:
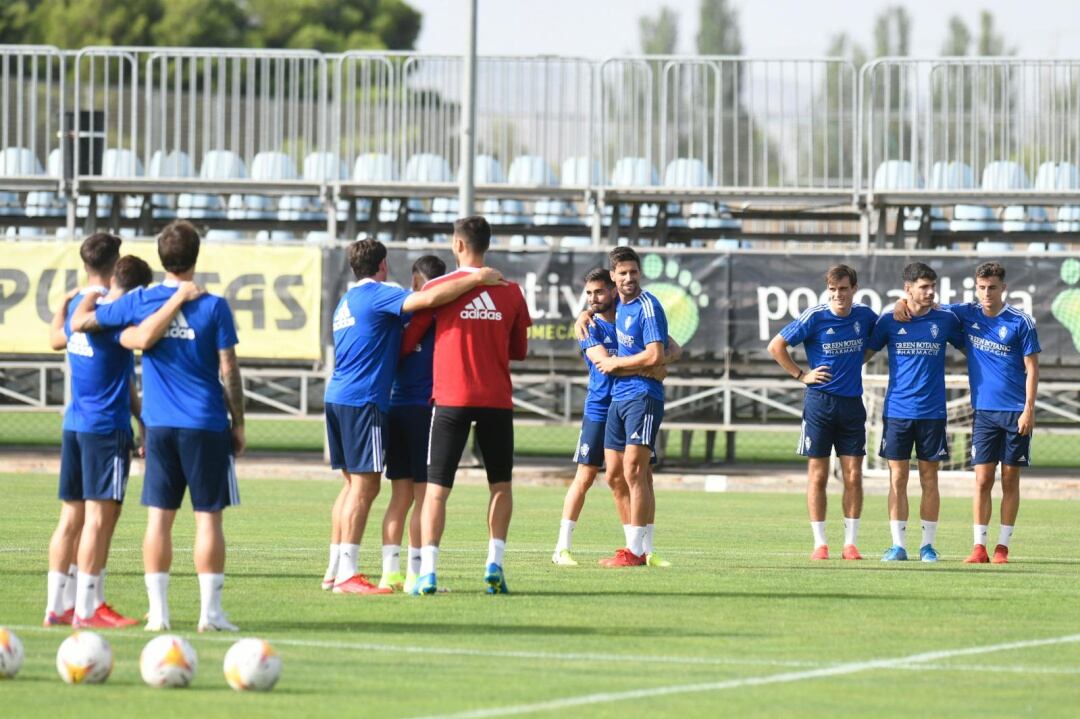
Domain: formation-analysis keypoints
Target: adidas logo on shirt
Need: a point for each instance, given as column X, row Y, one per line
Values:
column 830, row 331
column 343, row 317
column 481, row 308
column 902, row 331
column 79, row 344
column 608, row 340
column 179, row 328
column 975, row 326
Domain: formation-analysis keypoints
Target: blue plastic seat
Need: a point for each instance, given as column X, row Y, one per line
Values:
column 319, row 167
column 425, row 167
column 486, row 171
column 691, row 173
column 1067, row 178
column 634, row 172
column 216, row 165
column 376, row 167
column 901, row 175
column 998, row 176
column 529, row 171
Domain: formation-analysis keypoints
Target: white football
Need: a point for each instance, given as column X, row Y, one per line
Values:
column 168, row 661
column 11, row 654
column 84, row 658
column 252, row 665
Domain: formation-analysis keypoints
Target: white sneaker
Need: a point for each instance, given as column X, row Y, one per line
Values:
column 328, row 583
column 156, row 625
column 217, row 624
column 563, row 558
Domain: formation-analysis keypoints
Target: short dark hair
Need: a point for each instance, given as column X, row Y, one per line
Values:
column 131, row 272
column 623, row 254
column 99, row 252
column 178, row 246
column 365, row 256
column 475, row 231
column 990, row 269
column 599, row 274
column 919, row 271
column 839, row 272
column 429, row 267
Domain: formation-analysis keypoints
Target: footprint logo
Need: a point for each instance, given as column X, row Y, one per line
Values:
column 680, row 294
column 1066, row 306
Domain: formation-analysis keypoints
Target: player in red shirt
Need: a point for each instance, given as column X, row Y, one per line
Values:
column 476, row 336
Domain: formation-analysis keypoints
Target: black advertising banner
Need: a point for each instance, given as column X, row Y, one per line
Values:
column 715, row 302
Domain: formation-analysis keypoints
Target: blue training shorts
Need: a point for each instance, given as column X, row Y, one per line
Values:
column 633, row 421
column 198, row 460
column 830, row 421
column 995, row 438
column 94, row 466
column 590, row 445
column 407, row 442
column 928, row 436
column 355, row 436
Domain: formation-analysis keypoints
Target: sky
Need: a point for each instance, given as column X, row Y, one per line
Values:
column 770, row 28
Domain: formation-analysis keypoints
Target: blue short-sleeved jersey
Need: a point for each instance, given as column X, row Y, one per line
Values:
column 917, row 362
column 181, row 373
column 996, row 349
column 638, row 323
column 598, row 395
column 368, row 323
column 415, row 374
column 101, row 373
column 836, row 342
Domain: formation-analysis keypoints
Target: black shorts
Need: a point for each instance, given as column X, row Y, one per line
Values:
column 450, row 431
column 407, row 442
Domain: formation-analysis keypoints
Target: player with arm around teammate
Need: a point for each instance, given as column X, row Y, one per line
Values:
column 835, row 335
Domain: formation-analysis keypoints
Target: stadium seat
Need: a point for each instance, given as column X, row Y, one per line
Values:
column 216, row 165
column 691, row 173
column 634, row 172
column 425, row 167
column 529, row 171
column 266, row 166
column 319, row 168
column 901, row 175
column 1032, row 218
column 48, row 204
column 997, row 176
column 486, row 171
column 16, row 162
column 115, row 162
column 1067, row 178
column 948, row 176
column 164, row 165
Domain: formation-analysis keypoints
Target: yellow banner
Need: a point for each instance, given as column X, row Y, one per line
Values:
column 274, row 292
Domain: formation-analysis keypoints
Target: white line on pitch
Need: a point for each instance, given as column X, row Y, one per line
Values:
column 783, row 678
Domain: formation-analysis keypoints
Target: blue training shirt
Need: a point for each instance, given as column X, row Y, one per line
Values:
column 836, row 342
column 917, row 362
column 996, row 350
column 100, row 378
column 181, row 373
column 415, row 374
column 598, row 395
column 638, row 323
column 368, row 323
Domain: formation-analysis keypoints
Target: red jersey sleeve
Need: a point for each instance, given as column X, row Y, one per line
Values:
column 519, row 333
column 415, row 331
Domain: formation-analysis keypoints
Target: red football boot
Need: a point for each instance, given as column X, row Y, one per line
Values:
column 623, row 558
column 978, row 555
column 1001, row 555
column 820, row 553
column 52, row 619
column 359, row 584
column 99, row 620
column 119, row 620
column 851, row 552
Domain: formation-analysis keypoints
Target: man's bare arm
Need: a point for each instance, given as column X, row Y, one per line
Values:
column 778, row 348
column 1026, row 423
column 57, row 336
column 234, row 395
column 85, row 317
column 450, row 290
column 147, row 333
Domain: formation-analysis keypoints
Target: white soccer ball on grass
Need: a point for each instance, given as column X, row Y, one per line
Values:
column 84, row 658
column 168, row 661
column 11, row 654
column 252, row 665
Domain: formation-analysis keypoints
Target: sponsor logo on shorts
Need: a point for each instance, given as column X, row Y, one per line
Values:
column 179, row 329
column 583, row 450
column 944, row 452
column 635, row 435
column 481, row 308
column 1022, row 459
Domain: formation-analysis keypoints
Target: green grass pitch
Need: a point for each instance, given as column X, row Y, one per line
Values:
column 742, row 624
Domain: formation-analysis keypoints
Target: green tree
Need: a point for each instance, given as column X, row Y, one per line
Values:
column 79, row 23
column 990, row 43
column 958, row 41
column 660, row 34
column 892, row 32
column 718, row 29
column 333, row 25
column 15, row 19
column 221, row 23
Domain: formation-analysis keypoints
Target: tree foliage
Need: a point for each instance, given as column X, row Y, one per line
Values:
column 718, row 30
column 659, row 34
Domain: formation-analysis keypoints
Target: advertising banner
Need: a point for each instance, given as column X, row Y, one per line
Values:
column 274, row 292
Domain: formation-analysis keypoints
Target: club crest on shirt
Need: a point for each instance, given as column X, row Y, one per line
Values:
column 933, row 330
column 1002, row 331
column 858, row 328
column 629, row 321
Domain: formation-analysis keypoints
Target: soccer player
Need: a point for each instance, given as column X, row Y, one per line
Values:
column 914, row 411
column 597, row 339
column 97, row 440
column 407, row 441
column 1003, row 373
column 476, row 336
column 367, row 329
column 835, row 334
column 191, row 387
column 637, row 401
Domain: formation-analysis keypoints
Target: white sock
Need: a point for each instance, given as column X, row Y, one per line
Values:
column 414, row 560
column 646, row 543
column 637, row 541
column 429, row 555
column 566, row 534
column 898, row 529
column 157, row 591
column 818, row 529
column 981, row 530
column 628, row 533
column 347, row 562
column 70, row 586
column 210, row 586
column 929, row 532
column 851, row 530
column 331, row 568
column 101, row 587
column 496, row 549
column 86, row 602
column 1005, row 535
column 391, row 559
column 54, row 600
